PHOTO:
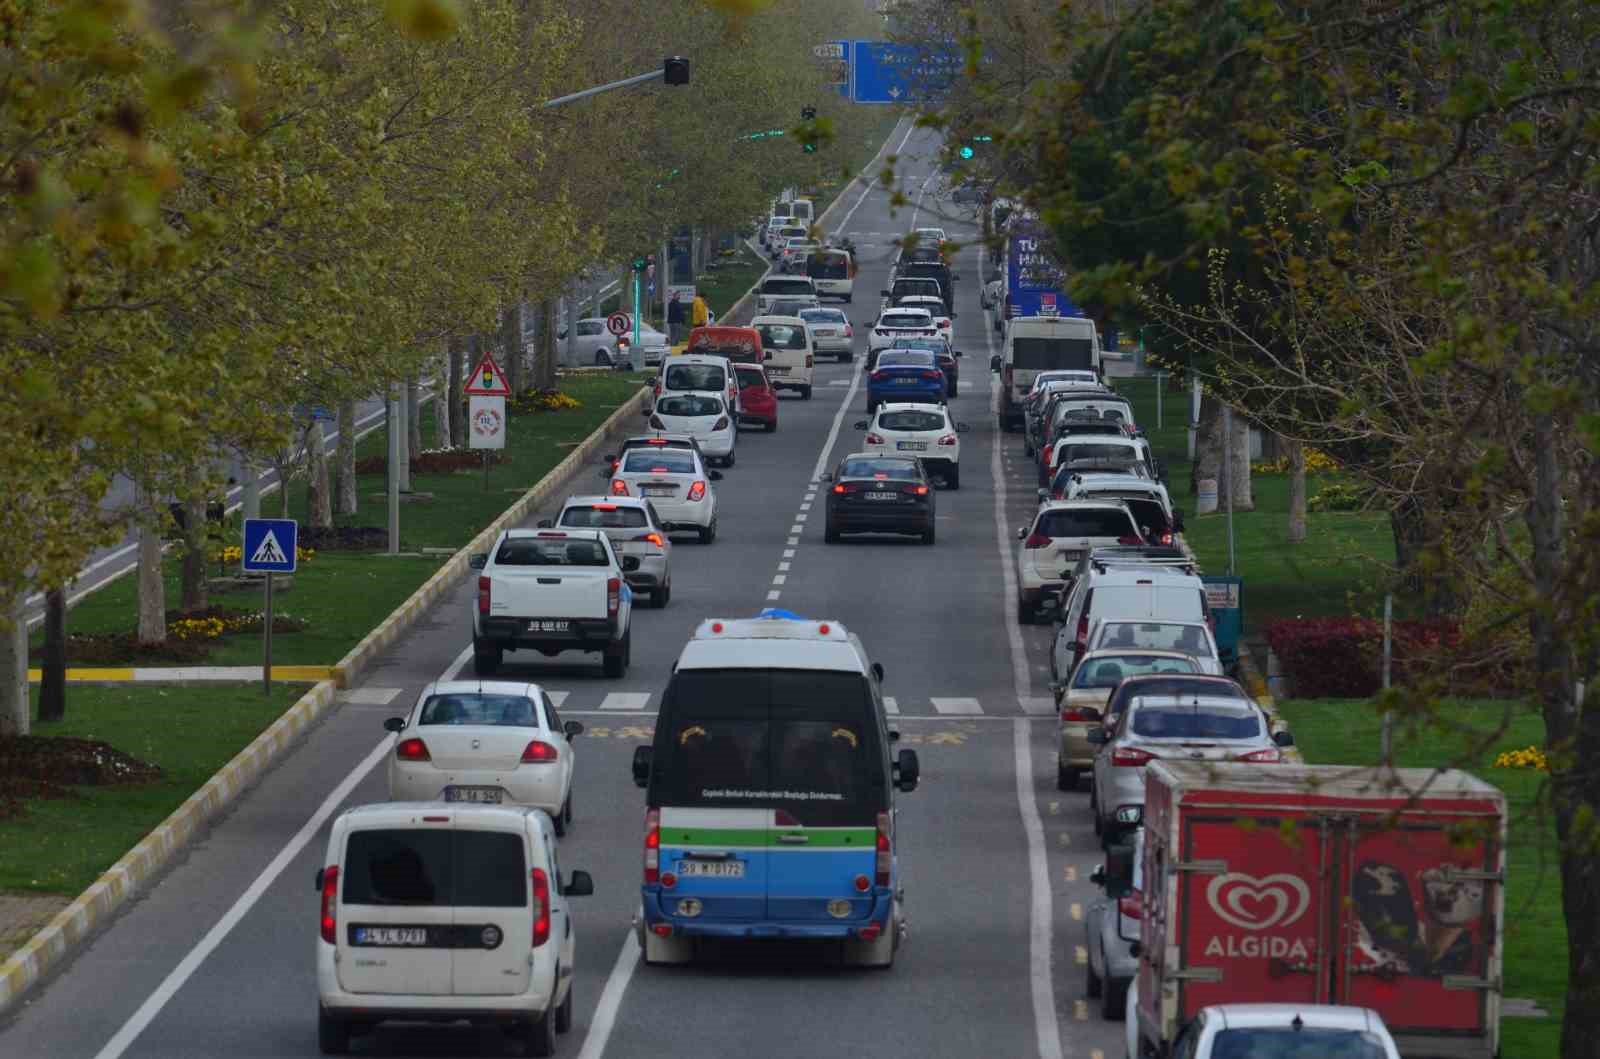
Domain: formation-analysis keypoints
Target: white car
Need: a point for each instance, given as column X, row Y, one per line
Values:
column 780, row 238
column 593, row 344
column 703, row 416
column 676, row 482
column 900, row 323
column 936, row 310
column 929, row 236
column 830, row 332
column 1059, row 535
column 1193, row 638
column 444, row 913
column 795, row 252
column 635, row 531
column 922, row 430
column 484, row 742
column 1290, row 1030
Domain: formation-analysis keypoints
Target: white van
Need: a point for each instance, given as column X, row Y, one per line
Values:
column 801, row 209
column 834, row 271
column 777, row 286
column 1041, row 343
column 786, row 344
column 1134, row 591
column 440, row 912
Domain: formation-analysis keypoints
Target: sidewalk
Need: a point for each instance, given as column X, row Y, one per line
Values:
column 191, row 675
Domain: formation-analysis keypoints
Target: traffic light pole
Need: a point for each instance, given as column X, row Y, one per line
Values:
column 637, row 352
column 674, row 71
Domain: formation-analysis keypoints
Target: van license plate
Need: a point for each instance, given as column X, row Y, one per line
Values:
column 711, row 869
column 776, row 369
column 481, row 795
column 397, row 936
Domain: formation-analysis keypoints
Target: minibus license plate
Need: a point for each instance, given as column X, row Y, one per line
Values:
column 711, row 869
column 391, row 936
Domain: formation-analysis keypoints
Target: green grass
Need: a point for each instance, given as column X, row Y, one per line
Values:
column 1343, row 731
column 62, row 845
column 732, row 279
column 1340, row 567
column 343, row 595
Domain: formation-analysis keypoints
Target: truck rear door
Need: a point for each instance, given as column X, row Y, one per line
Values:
column 553, row 575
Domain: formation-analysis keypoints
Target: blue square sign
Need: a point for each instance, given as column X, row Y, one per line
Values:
column 269, row 545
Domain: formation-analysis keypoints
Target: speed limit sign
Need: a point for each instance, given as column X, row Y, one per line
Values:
column 619, row 323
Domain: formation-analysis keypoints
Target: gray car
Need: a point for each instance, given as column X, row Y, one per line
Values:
column 831, row 332
column 635, row 530
column 1111, row 926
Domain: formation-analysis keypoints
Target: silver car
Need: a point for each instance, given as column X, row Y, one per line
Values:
column 1111, row 926
column 1185, row 727
column 635, row 532
column 831, row 332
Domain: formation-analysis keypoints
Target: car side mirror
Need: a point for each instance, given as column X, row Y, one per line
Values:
column 860, row 424
column 907, row 770
column 1098, row 876
column 573, row 729
column 630, row 563
column 715, row 476
column 884, row 293
column 877, row 672
column 1097, row 736
column 1042, row 494
column 394, row 724
column 953, row 316
column 1022, row 533
column 641, row 765
column 1283, row 737
column 994, row 362
column 544, row 523
column 478, row 562
column 580, row 885
column 959, row 353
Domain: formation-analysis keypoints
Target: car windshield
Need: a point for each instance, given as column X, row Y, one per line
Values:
column 1163, row 636
column 1287, row 1042
column 695, row 377
column 688, row 404
column 750, row 380
column 1210, row 721
column 659, row 461
column 782, row 336
column 1086, row 522
column 1108, row 672
column 916, row 358
column 905, row 320
column 879, row 467
column 928, row 288
column 556, row 550
column 912, row 343
column 787, row 286
column 1090, row 465
column 479, row 708
column 822, row 316
column 911, row 420
column 604, row 516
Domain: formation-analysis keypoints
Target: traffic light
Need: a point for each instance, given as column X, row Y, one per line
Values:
column 966, row 151
column 639, row 263
column 675, row 71
column 808, row 112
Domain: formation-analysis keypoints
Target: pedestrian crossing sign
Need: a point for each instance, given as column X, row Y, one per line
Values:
column 269, row 545
column 486, row 379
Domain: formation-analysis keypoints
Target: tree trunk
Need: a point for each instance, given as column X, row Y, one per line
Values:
column 1239, row 472
column 459, row 348
column 152, row 588
column 345, row 499
column 319, row 487
column 546, row 360
column 16, row 712
column 53, row 664
column 413, row 420
column 511, row 347
column 1207, row 449
column 441, row 403
column 192, row 594
column 1297, row 489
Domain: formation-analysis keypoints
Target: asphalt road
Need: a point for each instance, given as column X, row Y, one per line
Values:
column 216, row 959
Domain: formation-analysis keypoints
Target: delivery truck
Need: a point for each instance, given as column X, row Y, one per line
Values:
column 1316, row 884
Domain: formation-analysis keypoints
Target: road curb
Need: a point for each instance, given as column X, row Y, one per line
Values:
column 189, row 674
column 73, row 925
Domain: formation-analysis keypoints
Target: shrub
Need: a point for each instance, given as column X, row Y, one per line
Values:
column 1527, row 758
column 1340, row 497
column 542, row 401
column 435, row 461
column 1317, row 462
column 1343, row 658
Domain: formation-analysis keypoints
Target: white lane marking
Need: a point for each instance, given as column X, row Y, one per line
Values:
column 797, row 529
column 369, row 696
column 779, row 579
column 453, row 670
column 784, row 567
column 890, row 705
column 865, row 175
column 961, row 705
column 788, row 553
column 1021, row 680
column 625, row 700
column 605, row 1012
column 1037, row 704
column 794, row 540
column 556, row 697
column 774, row 594
column 801, row 517
column 805, row 507
column 1040, row 915
column 839, row 382
column 833, row 432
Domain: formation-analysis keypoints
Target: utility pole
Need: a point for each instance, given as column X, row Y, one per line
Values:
column 396, row 446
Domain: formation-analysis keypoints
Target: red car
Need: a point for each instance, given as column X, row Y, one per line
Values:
column 757, row 401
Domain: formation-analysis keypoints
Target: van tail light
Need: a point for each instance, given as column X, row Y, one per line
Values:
column 485, row 592
column 619, row 487
column 330, row 904
column 539, row 752
column 1082, row 638
column 1036, row 540
column 652, row 847
column 652, row 538
column 885, row 849
column 849, row 332
column 1130, row 538
column 541, row 907
column 655, row 421
column 874, row 439
column 697, row 491
column 1131, row 756
column 809, row 359
column 948, row 439
column 1131, row 906
column 1081, row 714
column 1270, row 756
column 412, row 749
column 720, row 424
column 613, row 597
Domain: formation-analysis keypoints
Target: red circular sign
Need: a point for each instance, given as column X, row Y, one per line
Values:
column 619, row 323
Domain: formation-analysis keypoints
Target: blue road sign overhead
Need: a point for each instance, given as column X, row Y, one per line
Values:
column 269, row 545
column 882, row 72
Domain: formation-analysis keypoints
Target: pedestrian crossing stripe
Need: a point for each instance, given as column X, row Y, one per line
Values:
column 636, row 702
column 269, row 551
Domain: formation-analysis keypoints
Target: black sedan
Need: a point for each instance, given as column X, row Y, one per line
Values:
column 879, row 494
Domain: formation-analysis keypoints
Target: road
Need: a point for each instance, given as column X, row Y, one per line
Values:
column 217, row 958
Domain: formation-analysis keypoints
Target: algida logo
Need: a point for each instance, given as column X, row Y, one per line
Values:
column 1258, row 904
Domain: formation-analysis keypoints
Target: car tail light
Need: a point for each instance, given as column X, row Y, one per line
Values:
column 652, row 441
column 808, row 360
column 652, row 538
column 948, row 439
column 844, row 487
column 917, row 490
column 885, row 849
column 1082, row 637
column 874, row 439
column 944, row 325
column 720, row 424
column 613, row 597
column 652, row 847
column 541, row 906
column 1130, row 538
column 1166, row 538
column 619, row 487
column 656, row 422
column 1270, row 756
column 1080, row 714
column 539, row 752
column 1131, row 906
column 1131, row 755
column 412, row 749
column 879, row 376
column 1036, row 540
column 697, row 491
column 330, row 904
column 849, row 332
column 485, row 590
column 932, row 376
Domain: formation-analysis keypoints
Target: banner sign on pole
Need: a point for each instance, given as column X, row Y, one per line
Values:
column 486, row 422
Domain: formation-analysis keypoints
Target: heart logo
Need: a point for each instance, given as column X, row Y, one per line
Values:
column 1258, row 904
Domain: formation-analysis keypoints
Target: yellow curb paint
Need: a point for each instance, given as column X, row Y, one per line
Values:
column 1071, row 873
column 1080, row 955
column 1080, row 1010
column 1076, row 912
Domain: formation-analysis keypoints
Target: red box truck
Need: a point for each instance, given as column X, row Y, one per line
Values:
column 1317, row 884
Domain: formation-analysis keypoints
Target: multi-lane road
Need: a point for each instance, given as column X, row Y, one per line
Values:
column 217, row 958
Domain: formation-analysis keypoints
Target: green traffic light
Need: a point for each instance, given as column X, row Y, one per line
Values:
column 966, row 152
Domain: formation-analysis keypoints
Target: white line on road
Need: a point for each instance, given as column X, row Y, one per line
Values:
column 1040, row 914
column 605, row 1012
column 958, row 705
column 869, row 181
column 773, row 595
column 779, row 579
column 783, row 568
column 625, row 700
column 890, row 705
column 788, row 553
column 1022, row 682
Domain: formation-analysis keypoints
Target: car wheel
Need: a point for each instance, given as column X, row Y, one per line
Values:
column 928, row 534
column 564, row 1012
column 1066, row 780
column 1027, row 447
column 829, row 534
column 772, row 426
column 333, row 1035
column 872, row 406
column 616, row 656
column 540, row 1036
column 847, row 299
column 846, row 357
column 1024, row 613
column 1114, row 1000
column 953, row 479
column 567, row 812
column 666, row 595
column 708, row 533
column 486, row 662
column 602, row 359
column 1093, row 984
column 805, row 393
column 727, row 461
column 559, row 819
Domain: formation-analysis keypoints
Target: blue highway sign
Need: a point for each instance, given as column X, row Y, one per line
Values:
column 882, row 72
column 269, row 545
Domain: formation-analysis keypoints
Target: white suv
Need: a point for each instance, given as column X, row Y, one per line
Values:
column 441, row 912
column 1060, row 534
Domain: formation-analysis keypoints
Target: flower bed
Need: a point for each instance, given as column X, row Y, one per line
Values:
column 189, row 639
column 1343, row 657
column 345, row 538
column 541, row 401
column 33, row 766
column 435, row 461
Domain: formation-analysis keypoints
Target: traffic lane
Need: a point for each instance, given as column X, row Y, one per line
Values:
column 958, row 986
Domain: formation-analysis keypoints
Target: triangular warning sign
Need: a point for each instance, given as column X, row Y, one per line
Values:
column 269, row 552
column 486, row 379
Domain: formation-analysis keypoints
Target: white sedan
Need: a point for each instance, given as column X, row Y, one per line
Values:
column 831, row 332
column 593, row 344
column 678, row 485
column 484, row 742
column 922, row 430
column 703, row 416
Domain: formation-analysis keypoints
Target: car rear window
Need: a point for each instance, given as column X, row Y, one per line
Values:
column 751, row 380
column 659, row 461
column 688, row 404
column 904, row 320
column 1086, row 522
column 695, row 377
column 1095, row 450
column 823, row 316
column 479, row 708
column 872, row 467
column 550, row 551
column 788, row 286
column 782, row 336
column 1044, row 353
column 910, row 420
column 827, row 266
column 1303, row 1042
column 1215, row 721
column 916, row 358
column 435, row 868
column 1163, row 636
column 609, row 517
column 1109, row 672
column 1149, row 513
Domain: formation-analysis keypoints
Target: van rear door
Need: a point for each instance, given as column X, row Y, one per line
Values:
column 493, row 913
column 396, row 922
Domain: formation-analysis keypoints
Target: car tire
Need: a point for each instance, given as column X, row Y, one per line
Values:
column 872, row 406
column 559, row 818
column 772, row 426
column 1114, row 1000
column 727, row 461
column 602, row 359
column 567, row 812
column 846, row 357
column 829, row 534
column 1027, row 447
column 1024, row 613
column 564, row 1012
column 952, row 480
column 658, row 598
column 486, row 663
column 616, row 657
column 708, row 533
column 1093, row 984
column 928, row 534
column 805, row 393
column 333, row 1035
column 539, row 1037
column 847, row 299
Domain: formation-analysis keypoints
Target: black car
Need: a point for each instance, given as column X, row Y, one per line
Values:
column 879, row 494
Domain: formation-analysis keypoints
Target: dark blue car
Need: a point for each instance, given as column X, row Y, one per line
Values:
column 905, row 375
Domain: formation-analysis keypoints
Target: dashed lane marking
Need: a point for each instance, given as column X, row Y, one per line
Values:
column 889, row 705
column 783, row 567
column 369, row 696
column 625, row 700
column 1080, row 955
column 773, row 595
column 961, row 705
column 779, row 579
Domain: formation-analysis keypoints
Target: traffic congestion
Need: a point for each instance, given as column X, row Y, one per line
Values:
column 906, row 727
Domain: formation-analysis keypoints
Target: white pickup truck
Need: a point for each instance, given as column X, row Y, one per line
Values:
column 550, row 591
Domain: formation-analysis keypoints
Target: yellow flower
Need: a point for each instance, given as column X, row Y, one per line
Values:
column 1527, row 758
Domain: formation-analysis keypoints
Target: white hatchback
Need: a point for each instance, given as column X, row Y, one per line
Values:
column 702, row 416
column 677, row 483
column 922, row 430
column 900, row 323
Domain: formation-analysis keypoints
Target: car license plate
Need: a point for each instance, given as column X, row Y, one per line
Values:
column 549, row 626
column 880, row 496
column 913, row 446
column 828, row 334
column 711, row 869
column 414, row 936
column 478, row 795
column 658, row 490
column 905, row 382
